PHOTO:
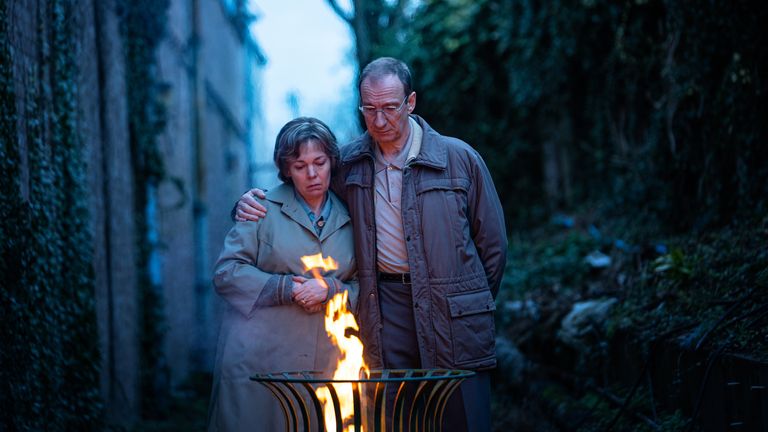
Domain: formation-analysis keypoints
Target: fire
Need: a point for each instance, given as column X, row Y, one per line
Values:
column 316, row 262
column 337, row 320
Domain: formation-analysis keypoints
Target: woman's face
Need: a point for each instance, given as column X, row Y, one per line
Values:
column 311, row 172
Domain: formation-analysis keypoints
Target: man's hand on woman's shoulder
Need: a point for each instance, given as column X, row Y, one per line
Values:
column 247, row 208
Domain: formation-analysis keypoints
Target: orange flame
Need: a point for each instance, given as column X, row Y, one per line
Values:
column 316, row 262
column 350, row 365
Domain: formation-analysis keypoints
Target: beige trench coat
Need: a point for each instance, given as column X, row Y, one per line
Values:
column 279, row 338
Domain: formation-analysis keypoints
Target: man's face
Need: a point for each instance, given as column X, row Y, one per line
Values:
column 388, row 126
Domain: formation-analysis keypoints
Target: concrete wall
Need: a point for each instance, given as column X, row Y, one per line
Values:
column 105, row 109
column 207, row 148
column 175, row 205
column 211, row 95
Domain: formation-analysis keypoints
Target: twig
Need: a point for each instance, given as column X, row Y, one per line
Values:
column 725, row 315
column 631, row 394
column 650, row 395
column 618, row 402
column 759, row 317
column 700, row 396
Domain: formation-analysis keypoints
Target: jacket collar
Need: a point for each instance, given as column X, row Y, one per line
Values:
column 284, row 196
column 432, row 153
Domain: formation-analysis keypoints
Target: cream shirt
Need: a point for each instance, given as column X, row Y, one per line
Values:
column 390, row 240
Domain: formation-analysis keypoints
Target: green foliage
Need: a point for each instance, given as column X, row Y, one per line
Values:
column 678, row 297
column 49, row 361
column 143, row 25
column 557, row 264
column 673, row 265
column 654, row 106
column 647, row 115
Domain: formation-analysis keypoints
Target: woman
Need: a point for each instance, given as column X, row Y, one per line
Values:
column 274, row 320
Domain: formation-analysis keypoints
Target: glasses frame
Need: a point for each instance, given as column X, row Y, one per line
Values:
column 375, row 111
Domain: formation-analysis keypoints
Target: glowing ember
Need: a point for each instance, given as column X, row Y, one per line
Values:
column 337, row 320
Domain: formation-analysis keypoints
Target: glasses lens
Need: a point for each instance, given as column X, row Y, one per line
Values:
column 388, row 111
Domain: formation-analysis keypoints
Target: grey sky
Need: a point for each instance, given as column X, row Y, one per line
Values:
column 309, row 52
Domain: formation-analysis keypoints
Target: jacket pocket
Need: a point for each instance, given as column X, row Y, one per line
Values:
column 358, row 179
column 442, row 207
column 472, row 326
column 454, row 184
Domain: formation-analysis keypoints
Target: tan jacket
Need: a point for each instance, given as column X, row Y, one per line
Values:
column 279, row 338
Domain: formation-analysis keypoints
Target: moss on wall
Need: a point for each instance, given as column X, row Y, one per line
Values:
column 49, row 364
column 143, row 25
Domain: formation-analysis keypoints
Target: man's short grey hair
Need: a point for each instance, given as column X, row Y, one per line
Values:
column 385, row 66
column 298, row 132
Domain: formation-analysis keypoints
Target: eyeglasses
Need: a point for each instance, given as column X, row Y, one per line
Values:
column 389, row 111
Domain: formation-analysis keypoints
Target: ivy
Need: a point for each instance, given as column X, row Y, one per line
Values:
column 49, row 365
column 143, row 24
column 50, row 359
column 644, row 107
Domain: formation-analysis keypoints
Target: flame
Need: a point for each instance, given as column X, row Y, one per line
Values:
column 350, row 365
column 316, row 262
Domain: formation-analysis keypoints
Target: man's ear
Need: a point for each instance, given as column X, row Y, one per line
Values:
column 411, row 102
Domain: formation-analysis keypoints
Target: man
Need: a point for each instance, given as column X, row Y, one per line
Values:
column 430, row 242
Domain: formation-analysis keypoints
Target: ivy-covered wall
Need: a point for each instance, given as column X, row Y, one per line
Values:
column 142, row 27
column 49, row 362
column 95, row 183
column 81, row 335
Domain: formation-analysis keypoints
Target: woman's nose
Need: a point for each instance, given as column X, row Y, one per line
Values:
column 311, row 171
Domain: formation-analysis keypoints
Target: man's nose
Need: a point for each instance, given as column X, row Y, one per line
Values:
column 380, row 119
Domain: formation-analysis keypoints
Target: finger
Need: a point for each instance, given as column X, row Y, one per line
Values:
column 318, row 285
column 317, row 290
column 258, row 192
column 298, row 293
column 310, row 306
column 243, row 216
column 248, row 204
column 249, row 212
column 248, row 200
column 299, row 279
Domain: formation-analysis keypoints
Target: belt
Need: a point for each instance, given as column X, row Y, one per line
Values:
column 404, row 278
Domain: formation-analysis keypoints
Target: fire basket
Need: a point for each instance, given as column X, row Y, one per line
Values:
column 414, row 398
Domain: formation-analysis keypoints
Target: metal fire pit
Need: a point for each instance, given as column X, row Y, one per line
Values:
column 416, row 402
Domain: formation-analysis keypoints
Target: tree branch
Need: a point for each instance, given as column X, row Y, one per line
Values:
column 341, row 12
column 396, row 13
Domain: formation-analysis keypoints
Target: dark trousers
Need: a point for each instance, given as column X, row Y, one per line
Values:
column 469, row 408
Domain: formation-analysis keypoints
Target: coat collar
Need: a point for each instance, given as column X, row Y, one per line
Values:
column 284, row 196
column 432, row 153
